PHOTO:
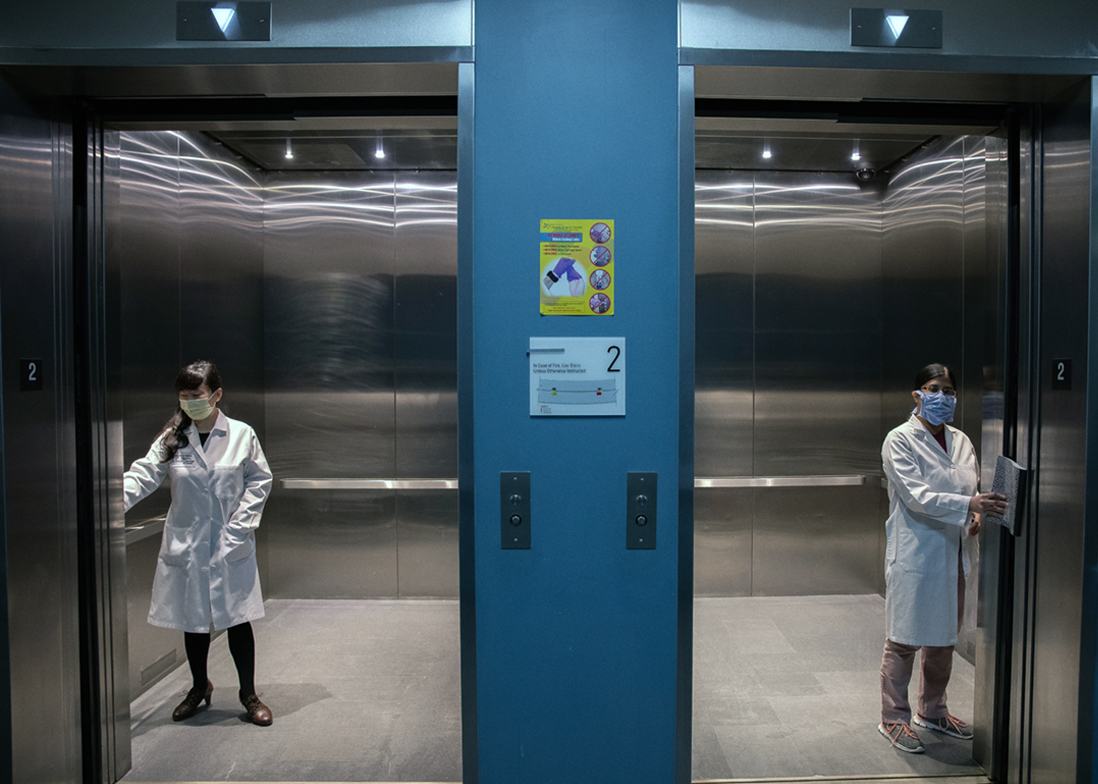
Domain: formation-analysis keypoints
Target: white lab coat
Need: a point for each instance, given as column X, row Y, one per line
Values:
column 207, row 571
column 928, row 495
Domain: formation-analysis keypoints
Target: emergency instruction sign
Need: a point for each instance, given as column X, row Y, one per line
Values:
column 576, row 268
column 577, row 376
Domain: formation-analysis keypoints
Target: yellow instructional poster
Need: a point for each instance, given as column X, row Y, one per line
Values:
column 577, row 268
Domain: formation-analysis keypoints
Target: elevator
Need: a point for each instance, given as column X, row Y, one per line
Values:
column 832, row 260
column 743, row 531
column 317, row 266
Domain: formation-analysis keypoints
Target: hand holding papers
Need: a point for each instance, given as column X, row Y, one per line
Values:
column 1009, row 481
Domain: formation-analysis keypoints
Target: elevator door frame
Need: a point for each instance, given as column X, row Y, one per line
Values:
column 106, row 676
column 998, row 544
column 1006, row 710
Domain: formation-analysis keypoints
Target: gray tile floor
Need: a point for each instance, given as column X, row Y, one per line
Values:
column 789, row 687
column 360, row 691
column 369, row 691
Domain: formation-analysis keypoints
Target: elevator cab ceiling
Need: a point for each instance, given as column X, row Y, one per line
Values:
column 829, row 136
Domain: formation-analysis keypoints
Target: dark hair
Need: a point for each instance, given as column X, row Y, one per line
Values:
column 174, row 432
column 931, row 372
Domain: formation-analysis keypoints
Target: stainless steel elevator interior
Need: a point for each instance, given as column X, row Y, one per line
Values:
column 327, row 298
column 820, row 292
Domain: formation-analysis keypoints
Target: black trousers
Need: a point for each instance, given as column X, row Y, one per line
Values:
column 241, row 646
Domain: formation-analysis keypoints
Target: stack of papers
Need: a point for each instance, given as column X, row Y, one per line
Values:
column 1009, row 481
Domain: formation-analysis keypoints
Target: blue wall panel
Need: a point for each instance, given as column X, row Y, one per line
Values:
column 576, row 116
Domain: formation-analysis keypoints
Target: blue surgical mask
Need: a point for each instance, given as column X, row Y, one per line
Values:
column 938, row 407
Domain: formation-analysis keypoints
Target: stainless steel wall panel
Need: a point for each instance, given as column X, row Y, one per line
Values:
column 148, row 248
column 975, row 311
column 328, row 324
column 976, row 353
column 1063, row 628
column 105, row 404
column 428, row 546
column 154, row 652
column 723, row 526
column 724, row 258
column 817, row 403
column 221, row 273
column 923, row 262
column 333, row 544
column 425, row 321
column 812, row 541
column 817, row 253
column 831, row 283
column 818, row 325
column 43, row 647
column 990, row 600
column 330, row 381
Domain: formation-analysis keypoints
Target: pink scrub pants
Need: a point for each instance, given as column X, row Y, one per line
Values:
column 937, row 665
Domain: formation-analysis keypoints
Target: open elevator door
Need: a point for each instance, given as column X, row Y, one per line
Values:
column 108, row 679
column 992, row 361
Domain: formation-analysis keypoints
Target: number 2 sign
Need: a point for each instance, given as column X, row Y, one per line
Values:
column 30, row 375
column 1061, row 374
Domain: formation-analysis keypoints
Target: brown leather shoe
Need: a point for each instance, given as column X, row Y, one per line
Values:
column 189, row 706
column 258, row 713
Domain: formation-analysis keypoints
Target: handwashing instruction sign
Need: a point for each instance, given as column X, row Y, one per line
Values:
column 576, row 272
column 577, row 376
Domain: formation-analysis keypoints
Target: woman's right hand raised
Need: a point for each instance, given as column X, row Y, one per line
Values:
column 988, row 503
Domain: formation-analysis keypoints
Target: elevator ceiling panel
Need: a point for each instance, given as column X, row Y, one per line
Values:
column 374, row 149
column 717, row 150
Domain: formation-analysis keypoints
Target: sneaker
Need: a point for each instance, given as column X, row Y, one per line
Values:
column 947, row 725
column 902, row 736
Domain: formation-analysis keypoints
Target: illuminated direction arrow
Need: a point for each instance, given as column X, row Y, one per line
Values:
column 224, row 17
column 896, row 23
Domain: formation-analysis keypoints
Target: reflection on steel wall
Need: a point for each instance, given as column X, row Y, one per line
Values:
column 817, row 360
column 813, row 292
column 788, row 368
column 360, row 305
column 189, row 242
column 39, row 465
column 984, row 595
column 924, row 253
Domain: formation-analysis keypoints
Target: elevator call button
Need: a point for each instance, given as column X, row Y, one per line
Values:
column 640, row 511
column 514, row 507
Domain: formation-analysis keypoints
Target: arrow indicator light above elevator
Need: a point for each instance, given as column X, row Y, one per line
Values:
column 224, row 16
column 896, row 23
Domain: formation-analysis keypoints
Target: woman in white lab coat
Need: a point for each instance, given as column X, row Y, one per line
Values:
column 207, row 572
column 932, row 501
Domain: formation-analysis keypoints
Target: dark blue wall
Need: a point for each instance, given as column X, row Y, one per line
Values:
column 576, row 116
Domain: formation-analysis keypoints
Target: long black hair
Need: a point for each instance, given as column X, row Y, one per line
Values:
column 174, row 433
column 931, row 372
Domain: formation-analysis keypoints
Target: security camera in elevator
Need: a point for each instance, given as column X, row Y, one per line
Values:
column 865, row 174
